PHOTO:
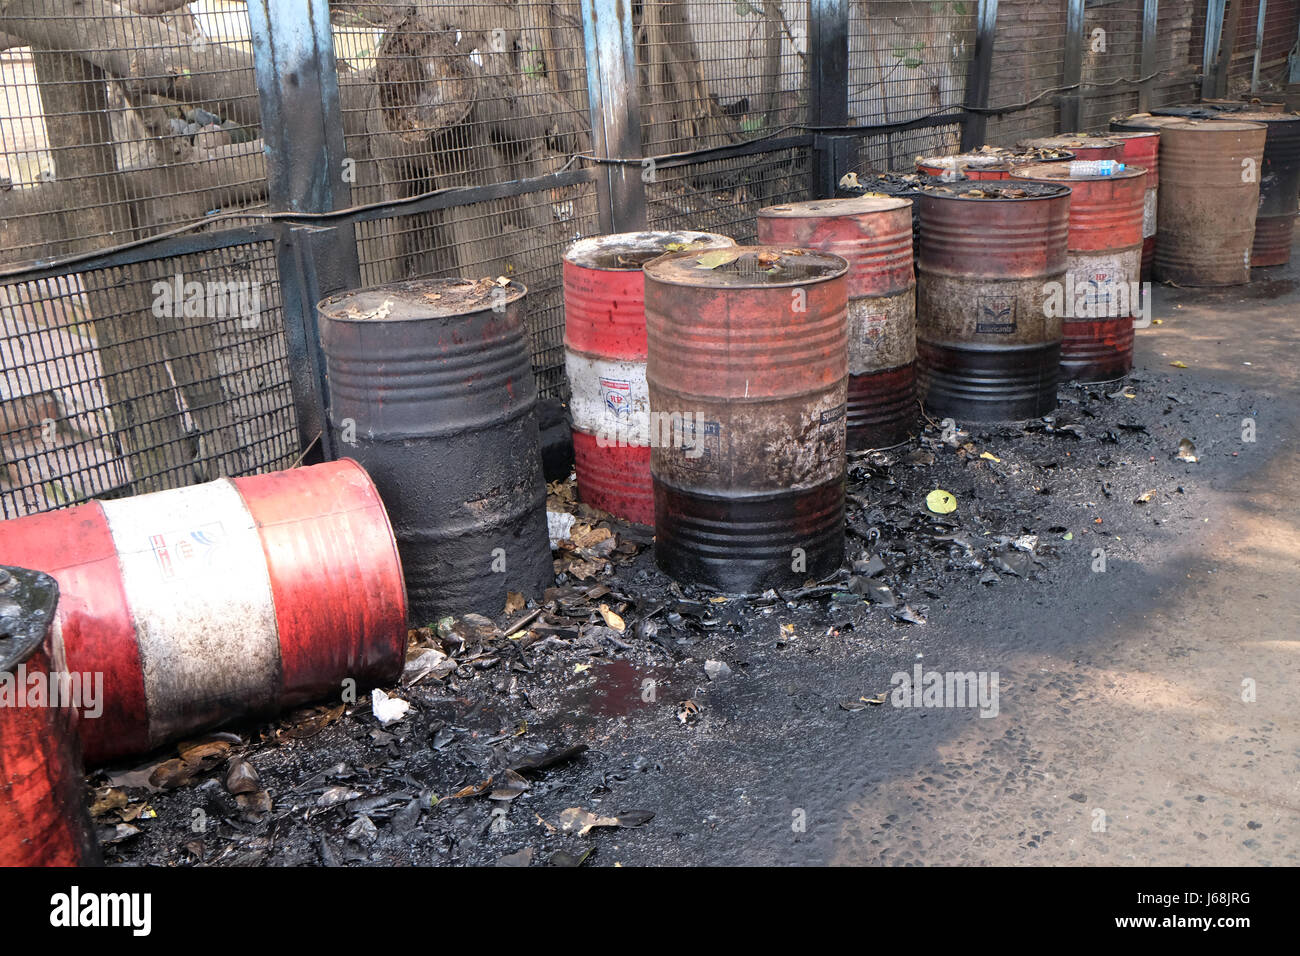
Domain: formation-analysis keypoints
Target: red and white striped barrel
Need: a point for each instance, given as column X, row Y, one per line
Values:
column 232, row 599
column 605, row 358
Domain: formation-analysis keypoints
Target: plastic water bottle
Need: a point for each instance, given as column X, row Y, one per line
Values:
column 1095, row 167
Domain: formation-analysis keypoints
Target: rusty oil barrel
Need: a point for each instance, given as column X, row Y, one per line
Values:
column 1210, row 173
column 235, row 599
column 1279, row 186
column 1103, row 269
column 874, row 235
column 604, row 357
column 750, row 356
column 988, row 344
column 433, row 377
column 44, row 820
column 1141, row 147
column 1083, row 145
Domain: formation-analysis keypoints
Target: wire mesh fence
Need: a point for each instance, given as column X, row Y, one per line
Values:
column 125, row 123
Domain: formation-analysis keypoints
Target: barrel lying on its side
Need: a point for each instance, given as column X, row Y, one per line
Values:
column 233, row 599
column 749, row 356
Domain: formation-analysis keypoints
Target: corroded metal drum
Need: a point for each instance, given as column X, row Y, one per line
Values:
column 874, row 235
column 1279, row 186
column 1083, row 145
column 1142, row 148
column 433, row 382
column 749, row 355
column 604, row 357
column 988, row 345
column 44, row 820
column 234, row 599
column 1209, row 200
column 1103, row 272
column 989, row 162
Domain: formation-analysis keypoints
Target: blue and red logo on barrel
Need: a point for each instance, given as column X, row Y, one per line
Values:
column 617, row 395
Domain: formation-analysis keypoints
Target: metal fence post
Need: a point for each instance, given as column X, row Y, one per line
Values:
column 615, row 102
column 828, row 77
column 1211, row 61
column 1071, row 104
column 1259, row 45
column 1150, row 19
column 307, row 171
column 978, row 73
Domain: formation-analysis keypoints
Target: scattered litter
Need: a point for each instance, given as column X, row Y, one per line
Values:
column 1186, row 451
column 941, row 502
column 387, row 710
column 577, row 820
column 558, row 526
column 717, row 670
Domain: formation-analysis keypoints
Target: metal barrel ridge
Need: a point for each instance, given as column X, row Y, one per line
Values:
column 44, row 819
column 1209, row 200
column 874, row 235
column 988, row 344
column 1103, row 269
column 432, row 390
column 748, row 351
column 604, row 357
column 230, row 600
column 1083, row 145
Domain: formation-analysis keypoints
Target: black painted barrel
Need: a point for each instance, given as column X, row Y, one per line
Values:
column 988, row 336
column 432, row 391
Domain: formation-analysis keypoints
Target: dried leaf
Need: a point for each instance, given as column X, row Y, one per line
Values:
column 612, row 619
column 715, row 258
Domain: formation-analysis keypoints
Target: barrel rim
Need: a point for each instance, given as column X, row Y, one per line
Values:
column 388, row 523
column 1068, row 140
column 956, row 190
column 1215, row 125
column 516, row 289
column 835, row 208
column 1025, row 172
column 1148, row 121
column 654, row 270
column 38, row 594
column 631, row 242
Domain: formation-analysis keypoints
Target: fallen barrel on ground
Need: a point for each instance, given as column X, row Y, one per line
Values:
column 431, row 380
column 748, row 353
column 604, row 357
column 1209, row 200
column 874, row 235
column 1103, row 269
column 44, row 820
column 232, row 599
column 987, row 347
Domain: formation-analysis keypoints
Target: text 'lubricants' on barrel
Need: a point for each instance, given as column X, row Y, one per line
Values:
column 1103, row 271
column 988, row 342
column 44, row 820
column 874, row 235
column 604, row 358
column 1279, row 185
column 1083, row 145
column 749, row 356
column 431, row 380
column 233, row 599
column 1142, row 148
column 1209, row 199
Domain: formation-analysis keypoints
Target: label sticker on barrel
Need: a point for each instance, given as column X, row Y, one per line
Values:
column 833, row 433
column 1098, row 290
column 873, row 329
column 701, row 444
column 997, row 314
column 183, row 553
column 617, row 395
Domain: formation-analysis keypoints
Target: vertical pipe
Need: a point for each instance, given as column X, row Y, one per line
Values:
column 1210, row 53
column 1150, row 18
column 1071, row 103
column 1259, row 45
column 978, row 74
column 307, row 170
column 614, row 98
